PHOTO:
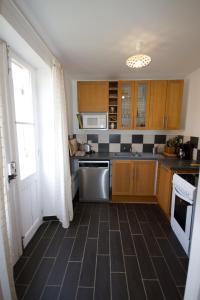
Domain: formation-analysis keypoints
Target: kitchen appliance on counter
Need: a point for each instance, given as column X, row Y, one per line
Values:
column 186, row 151
column 93, row 181
column 182, row 208
column 94, row 120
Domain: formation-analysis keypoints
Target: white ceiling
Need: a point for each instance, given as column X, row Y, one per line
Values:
column 93, row 38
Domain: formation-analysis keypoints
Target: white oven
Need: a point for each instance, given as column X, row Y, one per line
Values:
column 183, row 200
column 95, row 120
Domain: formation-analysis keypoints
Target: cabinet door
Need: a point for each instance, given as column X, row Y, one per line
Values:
column 158, row 93
column 141, row 104
column 164, row 189
column 144, row 183
column 125, row 101
column 174, row 104
column 92, row 96
column 122, row 177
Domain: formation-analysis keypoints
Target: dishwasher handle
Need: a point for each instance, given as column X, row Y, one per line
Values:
column 93, row 164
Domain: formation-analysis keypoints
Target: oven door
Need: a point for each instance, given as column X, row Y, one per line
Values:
column 181, row 217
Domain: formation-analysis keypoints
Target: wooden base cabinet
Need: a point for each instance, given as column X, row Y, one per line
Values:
column 133, row 178
column 164, row 189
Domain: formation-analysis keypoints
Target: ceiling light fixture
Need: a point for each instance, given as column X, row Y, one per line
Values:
column 138, row 61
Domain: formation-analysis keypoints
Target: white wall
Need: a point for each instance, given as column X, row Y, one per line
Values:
column 192, row 93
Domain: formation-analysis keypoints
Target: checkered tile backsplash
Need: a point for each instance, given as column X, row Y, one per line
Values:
column 137, row 143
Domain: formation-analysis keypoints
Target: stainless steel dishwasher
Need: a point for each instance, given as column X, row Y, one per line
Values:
column 94, row 181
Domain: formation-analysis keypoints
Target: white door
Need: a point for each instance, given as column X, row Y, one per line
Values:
column 25, row 133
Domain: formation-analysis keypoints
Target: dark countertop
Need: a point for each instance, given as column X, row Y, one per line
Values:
column 171, row 163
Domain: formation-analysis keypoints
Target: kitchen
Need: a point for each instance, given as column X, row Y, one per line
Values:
column 134, row 147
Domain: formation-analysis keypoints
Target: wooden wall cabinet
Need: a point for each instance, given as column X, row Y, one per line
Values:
column 92, row 96
column 164, row 189
column 133, row 178
column 153, row 105
column 165, row 104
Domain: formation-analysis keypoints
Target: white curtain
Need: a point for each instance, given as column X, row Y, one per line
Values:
column 63, row 193
column 6, row 271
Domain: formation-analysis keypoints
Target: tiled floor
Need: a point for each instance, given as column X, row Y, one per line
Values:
column 114, row 251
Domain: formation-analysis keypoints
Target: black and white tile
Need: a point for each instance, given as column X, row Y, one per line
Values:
column 105, row 142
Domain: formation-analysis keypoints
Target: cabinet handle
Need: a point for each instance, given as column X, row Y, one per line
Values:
column 166, row 122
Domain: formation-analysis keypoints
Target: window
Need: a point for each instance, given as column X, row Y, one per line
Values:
column 24, row 119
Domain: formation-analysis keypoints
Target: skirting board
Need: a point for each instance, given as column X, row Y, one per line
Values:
column 134, row 199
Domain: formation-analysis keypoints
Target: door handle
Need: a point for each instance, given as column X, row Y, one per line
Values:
column 12, row 171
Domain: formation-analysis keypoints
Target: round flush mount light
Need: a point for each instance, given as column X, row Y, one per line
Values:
column 138, row 61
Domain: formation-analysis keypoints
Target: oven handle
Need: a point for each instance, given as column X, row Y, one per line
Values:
column 182, row 197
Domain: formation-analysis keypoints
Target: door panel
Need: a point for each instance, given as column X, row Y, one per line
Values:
column 174, row 104
column 26, row 143
column 144, row 178
column 125, row 101
column 92, row 96
column 122, row 177
column 158, row 93
column 141, row 104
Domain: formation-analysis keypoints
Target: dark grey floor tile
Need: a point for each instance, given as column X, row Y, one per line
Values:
column 20, row 291
column 135, row 227
column 114, row 223
column 151, row 242
column 19, row 265
column 181, row 290
column 174, row 265
column 85, row 294
column 28, row 271
column 60, row 264
column 89, row 263
column 173, row 240
column 117, row 263
column 135, row 285
column 122, row 213
column 94, row 223
column 48, row 234
column 34, row 241
column 104, row 212
column 86, row 215
column 70, row 284
column 145, row 262
column 37, row 285
column 184, row 262
column 79, row 244
column 153, row 290
column 140, row 213
column 102, row 283
column 54, row 246
column 72, row 230
column 127, row 241
column 50, row 293
column 103, row 242
column 119, row 287
column 157, row 229
column 159, row 214
column 167, row 283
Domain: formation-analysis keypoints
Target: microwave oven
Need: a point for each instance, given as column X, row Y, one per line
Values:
column 95, row 120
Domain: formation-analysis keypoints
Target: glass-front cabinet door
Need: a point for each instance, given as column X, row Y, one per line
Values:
column 141, row 104
column 125, row 100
